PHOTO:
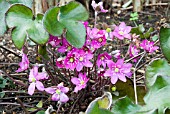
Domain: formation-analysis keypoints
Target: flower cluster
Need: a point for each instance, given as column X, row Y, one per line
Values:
column 85, row 63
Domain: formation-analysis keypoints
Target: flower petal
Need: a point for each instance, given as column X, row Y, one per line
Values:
column 114, row 79
column 31, row 88
column 63, row 98
column 50, row 90
column 79, row 67
column 75, row 81
column 122, row 77
column 88, row 64
column 39, row 85
column 108, row 73
column 55, row 97
column 64, row 89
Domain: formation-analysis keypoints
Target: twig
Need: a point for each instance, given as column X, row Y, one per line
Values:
column 9, row 103
column 22, row 105
column 10, row 51
column 59, row 107
column 134, row 57
column 18, row 82
column 134, row 78
column 146, row 5
column 80, row 94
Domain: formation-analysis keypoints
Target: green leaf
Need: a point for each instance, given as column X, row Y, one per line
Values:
column 125, row 106
column 147, row 35
column 50, row 22
column 155, row 37
column 68, row 17
column 31, row 109
column 157, row 68
column 165, row 42
column 141, row 28
column 40, row 104
column 158, row 95
column 2, row 94
column 99, row 105
column 25, row 2
column 76, row 33
column 3, row 8
column 73, row 11
column 127, row 89
column 2, row 82
column 20, row 18
column 41, row 112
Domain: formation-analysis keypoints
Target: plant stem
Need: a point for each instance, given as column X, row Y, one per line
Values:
column 134, row 78
column 95, row 18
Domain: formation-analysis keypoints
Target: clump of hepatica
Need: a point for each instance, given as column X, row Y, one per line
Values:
column 118, row 70
column 34, row 79
column 58, row 93
column 80, row 82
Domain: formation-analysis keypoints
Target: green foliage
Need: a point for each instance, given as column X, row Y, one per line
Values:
column 41, row 112
column 2, row 94
column 99, row 105
column 140, row 30
column 24, row 2
column 2, row 82
column 126, row 89
column 68, row 17
column 21, row 19
column 157, row 68
column 125, row 106
column 156, row 99
column 165, row 42
column 3, row 8
column 40, row 104
column 155, row 37
column 134, row 16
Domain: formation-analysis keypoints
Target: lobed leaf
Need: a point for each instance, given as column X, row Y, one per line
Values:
column 165, row 42
column 67, row 17
column 21, row 19
column 3, row 8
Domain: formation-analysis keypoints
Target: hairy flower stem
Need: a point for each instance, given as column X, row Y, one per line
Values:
column 134, row 78
column 95, row 19
column 59, row 107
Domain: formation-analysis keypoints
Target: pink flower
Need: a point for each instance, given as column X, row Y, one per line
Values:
column 148, row 46
column 102, row 59
column 34, row 78
column 97, row 37
column 83, row 60
column 118, row 70
column 98, row 42
column 122, row 31
column 94, row 33
column 70, row 61
column 58, row 93
column 24, row 64
column 80, row 82
column 86, row 24
column 65, row 46
column 60, row 63
column 54, row 41
column 133, row 51
column 98, row 7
